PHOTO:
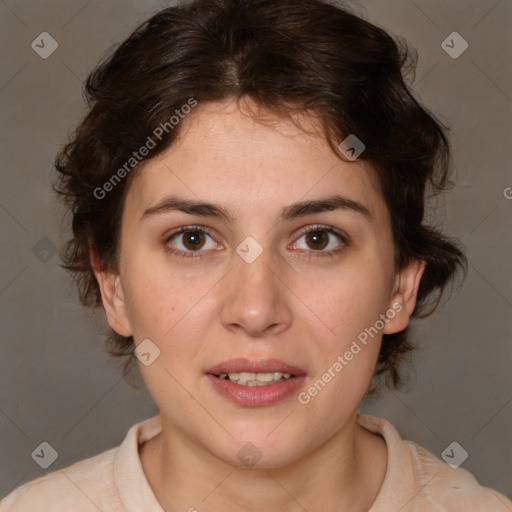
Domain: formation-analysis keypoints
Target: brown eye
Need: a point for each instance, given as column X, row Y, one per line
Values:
column 189, row 240
column 319, row 239
column 193, row 239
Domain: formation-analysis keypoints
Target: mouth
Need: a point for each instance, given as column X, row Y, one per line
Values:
column 255, row 373
column 253, row 383
column 255, row 379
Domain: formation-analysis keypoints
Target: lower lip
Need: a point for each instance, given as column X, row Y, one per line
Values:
column 256, row 396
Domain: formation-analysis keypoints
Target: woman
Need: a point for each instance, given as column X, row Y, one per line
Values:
column 247, row 191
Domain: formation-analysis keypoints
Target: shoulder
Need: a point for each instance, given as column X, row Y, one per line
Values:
column 416, row 480
column 81, row 487
column 445, row 488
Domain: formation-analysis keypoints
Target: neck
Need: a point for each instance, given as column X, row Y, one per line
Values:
column 344, row 474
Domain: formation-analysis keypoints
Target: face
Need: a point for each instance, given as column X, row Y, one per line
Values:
column 263, row 282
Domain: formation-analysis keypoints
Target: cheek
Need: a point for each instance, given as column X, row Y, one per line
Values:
column 170, row 308
column 155, row 301
column 341, row 308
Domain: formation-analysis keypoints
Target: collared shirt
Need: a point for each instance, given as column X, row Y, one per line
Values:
column 114, row 481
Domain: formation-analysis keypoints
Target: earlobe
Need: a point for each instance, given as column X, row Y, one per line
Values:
column 404, row 297
column 112, row 296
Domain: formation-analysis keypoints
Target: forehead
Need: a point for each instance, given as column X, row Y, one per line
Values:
column 249, row 156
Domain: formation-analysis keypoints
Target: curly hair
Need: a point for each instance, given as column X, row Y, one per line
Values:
column 290, row 56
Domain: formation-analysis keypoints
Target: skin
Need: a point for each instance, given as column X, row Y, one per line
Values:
column 285, row 305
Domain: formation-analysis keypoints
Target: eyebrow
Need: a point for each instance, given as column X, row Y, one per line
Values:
column 293, row 211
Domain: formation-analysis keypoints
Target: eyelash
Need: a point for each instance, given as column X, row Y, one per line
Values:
column 315, row 254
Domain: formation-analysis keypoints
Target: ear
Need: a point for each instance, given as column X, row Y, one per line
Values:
column 112, row 296
column 403, row 300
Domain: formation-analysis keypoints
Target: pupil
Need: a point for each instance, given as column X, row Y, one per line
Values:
column 317, row 238
column 193, row 238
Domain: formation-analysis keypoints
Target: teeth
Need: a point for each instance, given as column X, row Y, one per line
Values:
column 255, row 379
column 268, row 377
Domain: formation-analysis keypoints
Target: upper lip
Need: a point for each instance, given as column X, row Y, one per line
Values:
column 245, row 365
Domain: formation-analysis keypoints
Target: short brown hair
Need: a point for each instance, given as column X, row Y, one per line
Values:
column 288, row 56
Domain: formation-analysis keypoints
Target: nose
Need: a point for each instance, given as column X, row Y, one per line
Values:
column 255, row 296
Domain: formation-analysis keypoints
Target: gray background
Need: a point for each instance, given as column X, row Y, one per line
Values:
column 57, row 383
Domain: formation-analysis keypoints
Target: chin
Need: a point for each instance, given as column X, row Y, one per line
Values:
column 250, row 457
column 258, row 449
